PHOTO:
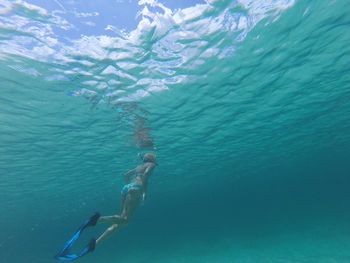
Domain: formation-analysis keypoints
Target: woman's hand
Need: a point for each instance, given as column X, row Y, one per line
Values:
column 143, row 198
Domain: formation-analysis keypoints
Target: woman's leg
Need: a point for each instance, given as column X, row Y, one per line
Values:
column 130, row 204
column 132, row 201
column 107, row 233
column 115, row 219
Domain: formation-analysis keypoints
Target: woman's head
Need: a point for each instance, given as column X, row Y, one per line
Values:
column 149, row 157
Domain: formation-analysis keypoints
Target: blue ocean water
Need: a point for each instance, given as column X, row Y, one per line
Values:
column 245, row 103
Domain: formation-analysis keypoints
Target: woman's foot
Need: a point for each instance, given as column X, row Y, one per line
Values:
column 93, row 219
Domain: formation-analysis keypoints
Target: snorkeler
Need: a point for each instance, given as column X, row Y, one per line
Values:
column 132, row 194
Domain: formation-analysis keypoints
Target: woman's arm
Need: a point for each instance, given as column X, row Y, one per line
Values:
column 145, row 177
column 127, row 176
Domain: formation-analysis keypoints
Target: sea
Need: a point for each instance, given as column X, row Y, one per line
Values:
column 246, row 104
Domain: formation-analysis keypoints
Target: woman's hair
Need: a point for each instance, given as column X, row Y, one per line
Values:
column 149, row 157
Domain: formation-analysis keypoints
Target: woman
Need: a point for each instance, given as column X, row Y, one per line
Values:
column 132, row 193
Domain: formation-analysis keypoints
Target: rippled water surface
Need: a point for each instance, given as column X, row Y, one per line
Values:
column 245, row 103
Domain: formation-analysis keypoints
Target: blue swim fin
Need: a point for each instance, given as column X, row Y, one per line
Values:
column 65, row 254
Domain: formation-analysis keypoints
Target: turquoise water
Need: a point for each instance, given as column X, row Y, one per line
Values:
column 247, row 105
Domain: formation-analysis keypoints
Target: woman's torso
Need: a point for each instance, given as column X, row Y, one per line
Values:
column 140, row 170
